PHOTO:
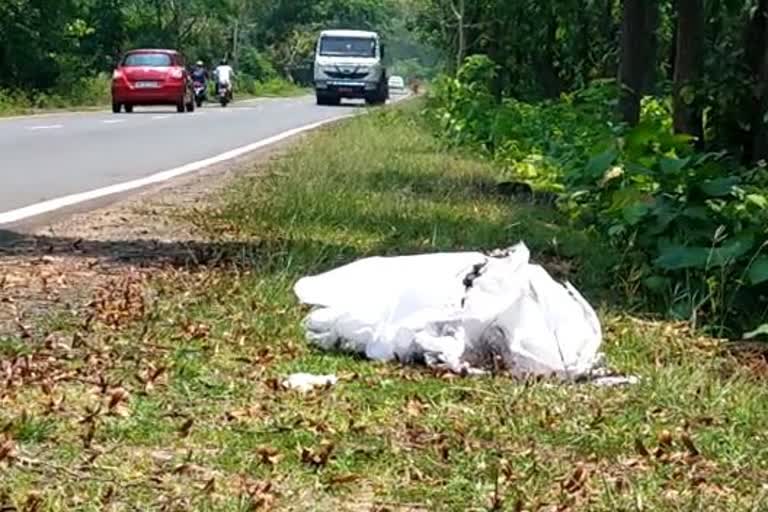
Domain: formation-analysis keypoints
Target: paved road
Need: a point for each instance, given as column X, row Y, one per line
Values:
column 47, row 157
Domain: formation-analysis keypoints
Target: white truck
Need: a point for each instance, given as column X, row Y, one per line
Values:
column 349, row 64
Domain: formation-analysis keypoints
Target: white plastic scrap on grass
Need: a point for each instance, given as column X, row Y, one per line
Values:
column 467, row 312
column 305, row 382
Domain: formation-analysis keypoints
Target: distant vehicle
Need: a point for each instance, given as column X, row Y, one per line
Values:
column 225, row 94
column 201, row 92
column 348, row 64
column 152, row 77
column 396, row 83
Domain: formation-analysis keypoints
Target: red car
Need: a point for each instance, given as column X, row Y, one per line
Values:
column 152, row 77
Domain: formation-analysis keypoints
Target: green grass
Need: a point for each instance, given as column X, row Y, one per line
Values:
column 211, row 432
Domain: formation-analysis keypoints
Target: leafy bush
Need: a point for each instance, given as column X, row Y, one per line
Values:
column 692, row 226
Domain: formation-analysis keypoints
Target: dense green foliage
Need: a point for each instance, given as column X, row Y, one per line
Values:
column 692, row 224
column 649, row 119
column 58, row 52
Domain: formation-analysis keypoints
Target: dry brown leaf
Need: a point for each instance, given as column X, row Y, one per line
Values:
column 318, row 456
column 641, row 449
column 33, row 503
column 688, row 443
column 343, row 479
column 577, row 479
column 185, row 427
column 269, row 455
column 116, row 397
column 665, row 439
column 8, row 450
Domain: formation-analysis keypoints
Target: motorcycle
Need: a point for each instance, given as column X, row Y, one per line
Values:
column 225, row 94
column 200, row 93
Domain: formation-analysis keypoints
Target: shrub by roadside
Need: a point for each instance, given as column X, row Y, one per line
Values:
column 692, row 226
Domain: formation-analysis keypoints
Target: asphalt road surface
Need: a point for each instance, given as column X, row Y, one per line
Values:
column 43, row 158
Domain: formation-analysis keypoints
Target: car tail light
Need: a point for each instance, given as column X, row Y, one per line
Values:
column 177, row 74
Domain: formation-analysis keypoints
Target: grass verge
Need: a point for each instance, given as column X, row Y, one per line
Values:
column 164, row 395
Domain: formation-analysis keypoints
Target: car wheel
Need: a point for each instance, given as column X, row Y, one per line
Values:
column 116, row 107
column 328, row 100
column 129, row 108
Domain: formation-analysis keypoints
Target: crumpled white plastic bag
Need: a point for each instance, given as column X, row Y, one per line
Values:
column 462, row 311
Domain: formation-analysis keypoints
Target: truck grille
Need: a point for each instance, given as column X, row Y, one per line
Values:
column 355, row 75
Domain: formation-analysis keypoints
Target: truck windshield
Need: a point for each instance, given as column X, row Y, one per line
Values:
column 348, row 47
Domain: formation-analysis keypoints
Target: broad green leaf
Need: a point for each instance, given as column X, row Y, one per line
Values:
column 634, row 213
column 719, row 187
column 678, row 141
column 758, row 200
column 758, row 271
column 616, row 230
column 625, row 197
column 760, row 331
column 673, row 165
column 678, row 257
column 731, row 250
column 656, row 283
column 638, row 137
column 599, row 164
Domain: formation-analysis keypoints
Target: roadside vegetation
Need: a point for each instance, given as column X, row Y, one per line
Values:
column 164, row 394
column 95, row 93
column 647, row 119
column 61, row 53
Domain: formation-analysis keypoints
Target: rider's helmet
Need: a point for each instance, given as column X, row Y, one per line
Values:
column 224, row 61
column 199, row 63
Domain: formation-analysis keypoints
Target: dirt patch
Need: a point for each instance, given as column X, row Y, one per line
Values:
column 60, row 266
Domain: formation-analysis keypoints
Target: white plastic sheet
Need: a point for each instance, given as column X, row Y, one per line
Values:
column 468, row 312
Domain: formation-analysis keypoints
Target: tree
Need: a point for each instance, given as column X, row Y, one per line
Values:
column 636, row 44
column 687, row 117
column 757, row 59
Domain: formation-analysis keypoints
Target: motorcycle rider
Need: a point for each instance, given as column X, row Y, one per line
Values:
column 224, row 75
column 200, row 74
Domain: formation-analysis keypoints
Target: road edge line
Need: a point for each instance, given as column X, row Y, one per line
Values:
column 59, row 203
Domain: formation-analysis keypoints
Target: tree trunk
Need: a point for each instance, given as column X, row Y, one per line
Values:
column 548, row 76
column 633, row 69
column 757, row 56
column 652, row 47
column 672, row 55
column 690, row 42
column 459, row 11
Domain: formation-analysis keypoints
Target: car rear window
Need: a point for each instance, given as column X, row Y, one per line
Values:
column 148, row 60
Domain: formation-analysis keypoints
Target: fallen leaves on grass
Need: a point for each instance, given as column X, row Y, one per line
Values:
column 8, row 449
column 318, row 456
column 186, row 427
column 268, row 455
column 257, row 495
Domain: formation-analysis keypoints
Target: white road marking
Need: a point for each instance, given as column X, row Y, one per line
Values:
column 62, row 202
column 45, row 127
column 113, row 121
column 160, row 117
